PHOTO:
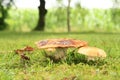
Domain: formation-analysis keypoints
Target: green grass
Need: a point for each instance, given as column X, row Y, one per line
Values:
column 41, row 68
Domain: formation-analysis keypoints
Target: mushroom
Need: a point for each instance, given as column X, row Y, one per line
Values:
column 57, row 48
column 92, row 52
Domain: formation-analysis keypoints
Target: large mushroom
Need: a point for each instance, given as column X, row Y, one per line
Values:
column 56, row 48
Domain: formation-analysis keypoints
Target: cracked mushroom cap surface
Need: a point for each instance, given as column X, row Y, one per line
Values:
column 60, row 43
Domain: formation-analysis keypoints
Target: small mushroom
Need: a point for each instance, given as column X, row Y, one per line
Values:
column 57, row 48
column 92, row 52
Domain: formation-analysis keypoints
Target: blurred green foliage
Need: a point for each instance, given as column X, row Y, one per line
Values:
column 4, row 8
column 80, row 19
column 22, row 20
column 116, row 17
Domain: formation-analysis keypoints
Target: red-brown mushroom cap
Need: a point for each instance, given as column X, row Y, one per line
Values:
column 60, row 43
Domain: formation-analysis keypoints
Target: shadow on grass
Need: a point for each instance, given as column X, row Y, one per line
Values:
column 77, row 58
column 39, row 60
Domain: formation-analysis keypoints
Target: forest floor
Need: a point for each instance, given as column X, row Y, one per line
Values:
column 12, row 67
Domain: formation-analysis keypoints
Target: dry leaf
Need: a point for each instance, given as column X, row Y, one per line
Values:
column 24, row 57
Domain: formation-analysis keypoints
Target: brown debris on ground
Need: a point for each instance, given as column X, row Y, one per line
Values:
column 22, row 51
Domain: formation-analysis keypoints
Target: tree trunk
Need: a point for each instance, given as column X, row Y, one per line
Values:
column 68, row 16
column 42, row 12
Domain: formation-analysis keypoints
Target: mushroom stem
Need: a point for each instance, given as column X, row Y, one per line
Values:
column 60, row 53
column 56, row 53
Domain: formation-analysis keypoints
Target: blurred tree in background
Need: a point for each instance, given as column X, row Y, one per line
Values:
column 116, row 13
column 5, row 6
column 42, row 13
column 68, row 16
